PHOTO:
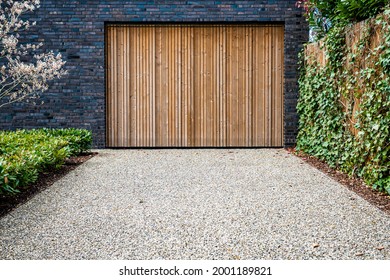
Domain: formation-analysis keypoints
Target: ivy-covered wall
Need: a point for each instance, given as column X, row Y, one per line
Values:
column 344, row 102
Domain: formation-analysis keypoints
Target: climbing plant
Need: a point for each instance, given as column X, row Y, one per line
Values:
column 323, row 14
column 344, row 103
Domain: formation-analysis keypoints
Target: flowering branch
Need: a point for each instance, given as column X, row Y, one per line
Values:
column 19, row 80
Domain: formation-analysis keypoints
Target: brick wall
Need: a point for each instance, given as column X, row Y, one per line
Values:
column 76, row 29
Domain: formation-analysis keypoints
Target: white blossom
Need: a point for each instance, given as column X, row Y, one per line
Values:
column 20, row 80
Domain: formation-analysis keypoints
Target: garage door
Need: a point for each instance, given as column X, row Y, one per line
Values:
column 194, row 85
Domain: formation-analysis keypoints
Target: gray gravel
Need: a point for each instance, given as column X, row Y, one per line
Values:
column 195, row 204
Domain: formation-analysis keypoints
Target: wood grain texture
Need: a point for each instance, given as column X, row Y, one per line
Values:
column 194, row 85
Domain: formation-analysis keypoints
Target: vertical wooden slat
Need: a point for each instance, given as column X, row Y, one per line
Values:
column 278, row 90
column 235, row 133
column 208, row 92
column 142, row 95
column 268, row 87
column 109, row 97
column 208, row 98
column 197, row 88
column 274, row 81
column 152, row 91
column 272, row 86
column 223, row 85
column 159, row 85
column 191, row 85
column 145, row 95
column 178, row 95
column 240, row 89
column 165, row 90
column 184, row 38
column 170, row 87
column 115, row 89
column 249, row 90
column 133, row 87
column 125, row 115
column 202, row 87
column 229, row 86
column 170, row 77
column 259, row 87
column 215, row 76
column 130, row 93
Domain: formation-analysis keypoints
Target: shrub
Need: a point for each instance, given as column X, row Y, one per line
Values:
column 26, row 153
column 79, row 140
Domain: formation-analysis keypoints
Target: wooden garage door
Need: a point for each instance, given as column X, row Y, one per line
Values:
column 194, row 85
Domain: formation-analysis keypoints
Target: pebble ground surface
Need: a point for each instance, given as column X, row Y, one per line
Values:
column 195, row 204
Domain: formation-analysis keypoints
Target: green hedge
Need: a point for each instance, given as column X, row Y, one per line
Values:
column 327, row 97
column 26, row 153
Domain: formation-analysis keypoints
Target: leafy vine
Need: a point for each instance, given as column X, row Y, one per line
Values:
column 344, row 104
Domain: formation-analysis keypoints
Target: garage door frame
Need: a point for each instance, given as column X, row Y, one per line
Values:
column 261, row 25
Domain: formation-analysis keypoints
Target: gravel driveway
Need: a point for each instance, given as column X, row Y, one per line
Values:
column 195, row 204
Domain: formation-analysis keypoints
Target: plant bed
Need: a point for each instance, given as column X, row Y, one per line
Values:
column 379, row 199
column 24, row 154
column 31, row 160
column 45, row 180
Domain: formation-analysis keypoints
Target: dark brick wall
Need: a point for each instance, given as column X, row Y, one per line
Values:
column 76, row 29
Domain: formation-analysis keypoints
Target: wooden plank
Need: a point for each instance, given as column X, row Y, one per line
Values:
column 152, row 85
column 133, row 87
column 184, row 38
column 144, row 93
column 158, row 87
column 197, row 88
column 109, row 75
column 260, row 92
column 268, row 87
column 191, row 85
column 223, row 85
column 165, row 90
column 249, row 91
column 235, row 133
column 138, row 82
column 170, row 84
column 122, row 129
column 115, row 90
column 229, row 86
column 208, row 94
column 216, row 80
column 278, row 107
column 125, row 105
column 272, row 86
column 202, row 92
column 241, row 65
column 179, row 93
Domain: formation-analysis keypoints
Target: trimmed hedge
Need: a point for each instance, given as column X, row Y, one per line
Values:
column 26, row 153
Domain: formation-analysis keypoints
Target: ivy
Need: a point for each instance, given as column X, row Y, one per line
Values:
column 322, row 15
column 344, row 105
